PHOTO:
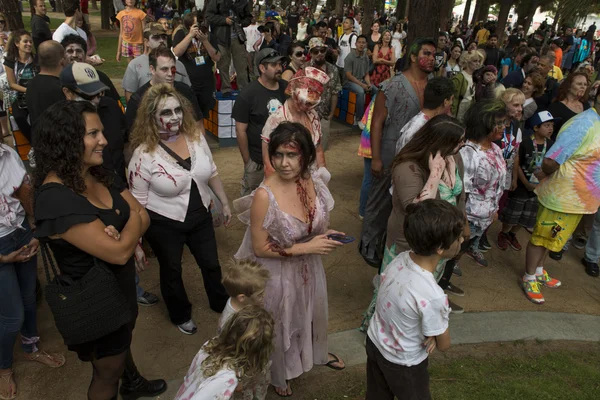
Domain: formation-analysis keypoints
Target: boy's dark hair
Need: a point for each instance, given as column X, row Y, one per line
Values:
column 70, row 7
column 321, row 24
column 437, row 90
column 160, row 51
column 362, row 36
column 70, row 39
column 415, row 48
column 527, row 58
column 493, row 35
column 294, row 133
column 350, row 18
column 431, row 225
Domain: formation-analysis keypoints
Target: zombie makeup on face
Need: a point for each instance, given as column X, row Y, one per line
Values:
column 287, row 160
column 169, row 116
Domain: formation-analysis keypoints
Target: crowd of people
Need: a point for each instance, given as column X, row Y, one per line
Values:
column 458, row 131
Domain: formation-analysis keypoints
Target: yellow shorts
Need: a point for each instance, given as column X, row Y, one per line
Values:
column 545, row 228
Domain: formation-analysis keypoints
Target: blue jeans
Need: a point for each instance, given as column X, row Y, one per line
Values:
column 360, row 97
column 365, row 188
column 17, row 298
column 592, row 248
column 140, row 292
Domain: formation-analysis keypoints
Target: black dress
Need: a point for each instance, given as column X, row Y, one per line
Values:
column 58, row 208
column 558, row 109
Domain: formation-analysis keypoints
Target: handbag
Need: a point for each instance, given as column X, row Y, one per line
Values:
column 215, row 207
column 86, row 309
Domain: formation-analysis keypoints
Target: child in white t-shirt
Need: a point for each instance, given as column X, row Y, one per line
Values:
column 238, row 355
column 411, row 315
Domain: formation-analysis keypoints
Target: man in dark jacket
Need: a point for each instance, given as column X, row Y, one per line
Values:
column 227, row 18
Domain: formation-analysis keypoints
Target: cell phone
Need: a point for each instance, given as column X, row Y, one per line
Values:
column 341, row 238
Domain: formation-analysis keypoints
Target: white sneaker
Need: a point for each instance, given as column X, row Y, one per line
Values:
column 361, row 126
column 189, row 327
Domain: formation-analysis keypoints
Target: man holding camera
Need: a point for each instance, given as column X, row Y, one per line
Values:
column 227, row 19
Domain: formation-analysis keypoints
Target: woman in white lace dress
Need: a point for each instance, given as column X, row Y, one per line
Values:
column 397, row 38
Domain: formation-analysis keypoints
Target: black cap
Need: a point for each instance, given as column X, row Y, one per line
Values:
column 267, row 55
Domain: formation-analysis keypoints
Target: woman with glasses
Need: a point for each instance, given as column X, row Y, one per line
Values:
column 485, row 169
column 297, row 59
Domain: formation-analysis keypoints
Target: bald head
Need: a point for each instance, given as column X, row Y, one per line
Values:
column 50, row 55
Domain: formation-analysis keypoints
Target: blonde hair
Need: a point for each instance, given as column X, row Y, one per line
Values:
column 245, row 277
column 467, row 56
column 244, row 345
column 512, row 94
column 145, row 130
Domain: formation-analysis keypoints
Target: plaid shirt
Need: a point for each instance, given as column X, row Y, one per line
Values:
column 334, row 86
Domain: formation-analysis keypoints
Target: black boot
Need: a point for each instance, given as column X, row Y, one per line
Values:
column 134, row 385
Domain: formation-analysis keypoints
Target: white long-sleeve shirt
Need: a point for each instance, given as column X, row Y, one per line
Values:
column 161, row 185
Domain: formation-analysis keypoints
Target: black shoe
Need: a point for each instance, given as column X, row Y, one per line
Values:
column 556, row 255
column 143, row 388
column 591, row 268
column 147, row 299
column 484, row 245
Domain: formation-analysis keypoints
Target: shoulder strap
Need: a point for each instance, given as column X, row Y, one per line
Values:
column 187, row 165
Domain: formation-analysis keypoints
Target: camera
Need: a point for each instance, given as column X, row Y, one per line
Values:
column 239, row 31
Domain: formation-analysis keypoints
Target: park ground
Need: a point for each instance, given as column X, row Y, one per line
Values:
column 515, row 370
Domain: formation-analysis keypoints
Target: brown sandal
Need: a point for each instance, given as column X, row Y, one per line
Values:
column 12, row 389
column 50, row 360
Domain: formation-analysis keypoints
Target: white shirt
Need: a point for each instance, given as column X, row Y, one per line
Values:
column 357, row 27
column 163, row 186
column 196, row 387
column 410, row 306
column 64, row 30
column 252, row 36
column 138, row 74
column 12, row 213
column 346, row 43
column 228, row 311
column 408, row 131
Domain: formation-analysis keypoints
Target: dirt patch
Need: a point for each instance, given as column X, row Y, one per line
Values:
column 162, row 351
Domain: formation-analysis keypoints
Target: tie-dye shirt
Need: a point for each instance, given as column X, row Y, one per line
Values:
column 575, row 187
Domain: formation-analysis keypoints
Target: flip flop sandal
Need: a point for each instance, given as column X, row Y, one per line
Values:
column 11, row 388
column 52, row 361
column 284, row 395
column 335, row 360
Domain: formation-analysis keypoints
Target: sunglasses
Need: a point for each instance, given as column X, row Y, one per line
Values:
column 299, row 54
column 88, row 97
column 322, row 50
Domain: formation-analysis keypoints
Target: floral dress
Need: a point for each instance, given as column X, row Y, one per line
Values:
column 382, row 71
column 296, row 293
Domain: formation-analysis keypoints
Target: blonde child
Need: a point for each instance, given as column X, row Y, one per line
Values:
column 131, row 36
column 245, row 283
column 238, row 355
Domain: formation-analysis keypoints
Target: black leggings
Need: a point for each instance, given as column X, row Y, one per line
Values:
column 445, row 280
column 167, row 238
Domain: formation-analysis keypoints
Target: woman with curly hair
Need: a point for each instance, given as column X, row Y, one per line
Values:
column 172, row 174
column 84, row 213
column 533, row 86
column 237, row 357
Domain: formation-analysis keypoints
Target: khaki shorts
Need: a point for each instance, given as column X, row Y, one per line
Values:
column 253, row 176
column 546, row 232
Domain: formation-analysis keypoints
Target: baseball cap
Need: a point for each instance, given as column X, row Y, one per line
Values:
column 315, row 42
column 83, row 78
column 541, row 117
column 267, row 55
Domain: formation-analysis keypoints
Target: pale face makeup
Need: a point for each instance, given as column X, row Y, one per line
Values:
column 169, row 116
column 287, row 161
column 74, row 52
column 156, row 40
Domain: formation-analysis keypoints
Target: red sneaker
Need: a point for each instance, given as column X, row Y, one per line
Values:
column 503, row 241
column 545, row 280
column 514, row 242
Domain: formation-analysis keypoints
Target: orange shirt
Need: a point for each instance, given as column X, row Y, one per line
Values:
column 132, row 25
column 559, row 55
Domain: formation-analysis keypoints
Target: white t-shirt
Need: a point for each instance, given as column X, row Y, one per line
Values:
column 64, row 30
column 408, row 131
column 228, row 311
column 346, row 43
column 252, row 36
column 12, row 176
column 138, row 74
column 410, row 306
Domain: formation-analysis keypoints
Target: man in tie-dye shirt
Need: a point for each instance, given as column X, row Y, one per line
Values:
column 569, row 188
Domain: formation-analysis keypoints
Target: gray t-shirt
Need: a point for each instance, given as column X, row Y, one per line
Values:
column 138, row 74
column 358, row 66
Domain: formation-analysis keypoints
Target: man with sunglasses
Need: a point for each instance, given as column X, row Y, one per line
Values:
column 327, row 105
column 138, row 73
column 253, row 106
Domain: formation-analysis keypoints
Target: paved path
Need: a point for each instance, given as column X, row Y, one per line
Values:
column 472, row 328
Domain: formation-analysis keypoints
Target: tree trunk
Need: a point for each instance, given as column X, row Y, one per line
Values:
column 339, row 8
column 424, row 19
column 445, row 9
column 476, row 11
column 484, row 11
column 367, row 16
column 401, row 10
column 105, row 7
column 505, row 6
column 12, row 11
column 94, row 5
column 466, row 12
column 526, row 11
column 59, row 6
